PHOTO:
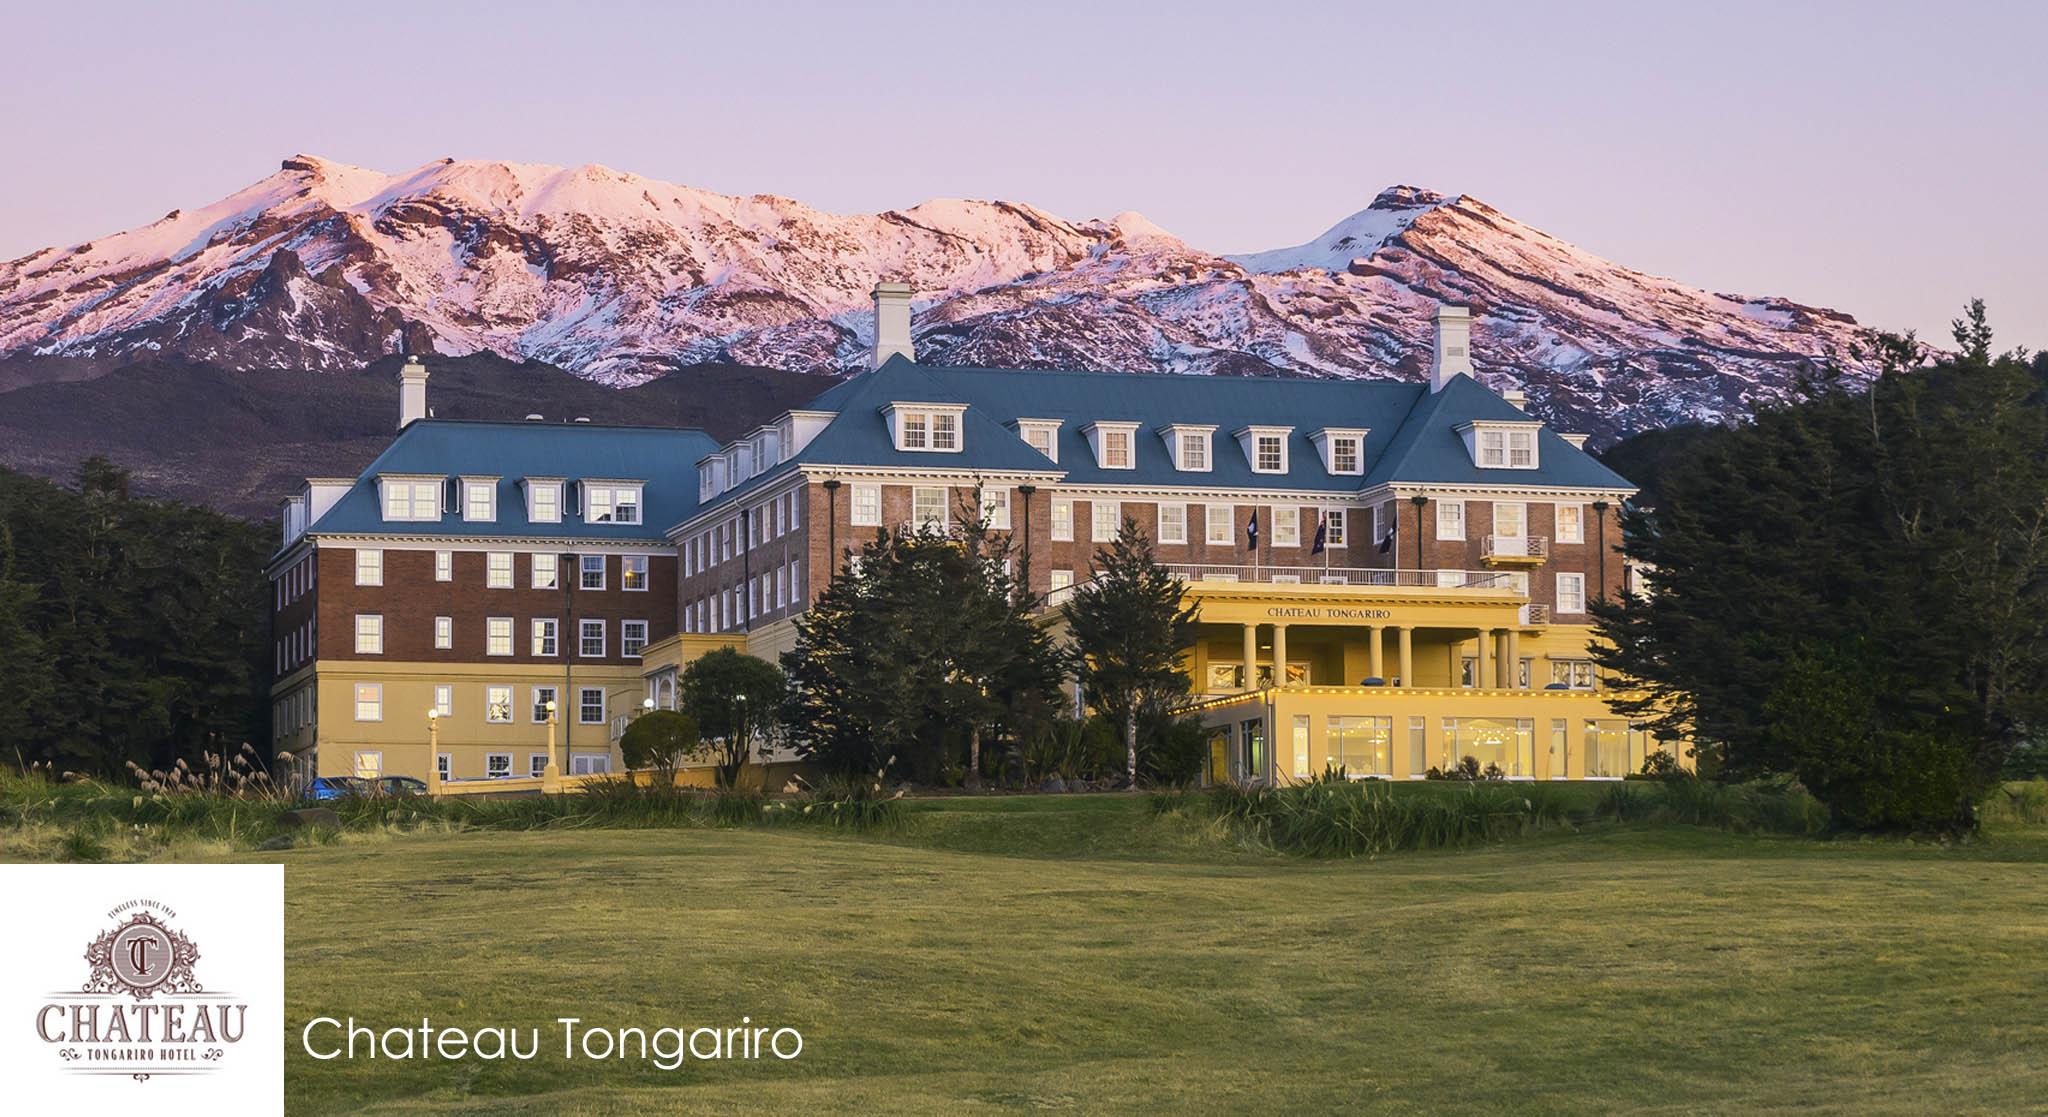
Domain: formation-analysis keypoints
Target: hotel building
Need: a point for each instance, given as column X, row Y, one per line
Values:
column 1391, row 575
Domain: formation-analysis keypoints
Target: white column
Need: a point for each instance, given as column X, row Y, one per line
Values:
column 1374, row 667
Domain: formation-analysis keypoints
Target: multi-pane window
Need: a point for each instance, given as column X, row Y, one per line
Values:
column 497, row 704
column 1510, row 519
column 479, row 500
column 497, row 765
column 1450, row 519
column 412, row 500
column 369, row 701
column 866, row 507
column 632, row 638
column 444, row 765
column 590, row 638
column 1571, row 593
column 1173, row 523
column 498, row 570
column 1344, row 454
column 544, row 634
column 444, row 700
column 369, row 634
column 1574, row 673
column 928, row 430
column 498, row 636
column 916, row 427
column 369, row 568
column 1493, row 449
column 1105, row 516
column 1194, row 451
column 1507, row 449
column 633, row 572
column 1217, row 520
column 1269, row 453
column 1571, row 523
column 444, row 566
column 1116, row 449
column 1040, row 439
column 546, row 570
column 611, row 504
column 945, row 431
column 1521, row 449
column 1062, row 519
column 592, row 572
column 1061, row 584
column 444, row 632
column 995, row 507
column 1286, row 526
column 928, row 506
column 536, row 764
column 590, row 705
column 543, row 701
column 547, row 504
column 1334, row 523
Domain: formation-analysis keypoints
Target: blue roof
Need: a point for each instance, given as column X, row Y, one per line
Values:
column 665, row 458
column 1413, row 433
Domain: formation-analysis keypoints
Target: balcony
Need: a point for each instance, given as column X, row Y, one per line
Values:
column 1266, row 574
column 1515, row 550
column 1533, row 613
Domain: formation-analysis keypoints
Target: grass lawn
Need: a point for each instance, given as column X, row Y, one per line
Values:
column 1077, row 953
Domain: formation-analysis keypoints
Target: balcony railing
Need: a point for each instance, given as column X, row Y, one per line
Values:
column 1199, row 572
column 1533, row 613
column 1515, row 548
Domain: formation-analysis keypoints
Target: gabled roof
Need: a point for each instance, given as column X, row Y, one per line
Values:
column 663, row 457
column 1430, row 450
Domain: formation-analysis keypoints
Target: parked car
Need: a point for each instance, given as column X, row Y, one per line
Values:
column 401, row 785
column 337, row 787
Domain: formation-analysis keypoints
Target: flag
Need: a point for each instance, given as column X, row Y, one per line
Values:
column 1251, row 533
column 1322, row 534
column 1387, row 544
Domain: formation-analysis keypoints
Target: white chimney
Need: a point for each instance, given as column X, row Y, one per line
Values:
column 1453, row 355
column 1517, row 397
column 892, row 322
column 412, row 392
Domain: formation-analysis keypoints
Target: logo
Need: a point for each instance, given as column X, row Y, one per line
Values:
column 142, row 956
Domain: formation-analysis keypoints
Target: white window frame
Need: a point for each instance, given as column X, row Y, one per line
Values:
column 582, row 706
column 1059, row 586
column 487, row 488
column 583, row 627
column 500, row 573
column 1341, row 446
column 1521, row 519
column 626, row 644
column 489, row 690
column 544, row 637
column 444, row 764
column 1115, row 444
column 536, row 706
column 536, row 764
column 444, row 633
column 1224, row 515
column 544, row 570
column 406, row 495
column 1048, row 429
column 926, row 428
column 369, row 566
column 495, row 771
column 1286, row 520
column 602, row 501
column 919, row 517
column 444, row 566
column 1578, row 583
column 864, row 506
column 1173, row 523
column 626, row 568
column 1062, row 526
column 497, row 636
column 995, row 506
column 543, row 501
column 444, row 700
column 1338, row 522
column 375, row 702
column 583, row 572
column 1577, row 519
column 1446, row 530
column 369, row 634
column 1193, row 448
column 1502, row 445
column 1099, row 529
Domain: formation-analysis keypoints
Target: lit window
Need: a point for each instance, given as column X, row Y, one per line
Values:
column 1270, row 455
column 544, row 629
column 479, row 500
column 1510, row 519
column 1217, row 521
column 498, row 636
column 369, row 568
column 632, row 638
column 995, row 507
column 867, row 506
column 412, row 500
column 546, row 571
column 1287, row 527
column 1173, row 523
column 369, row 634
column 590, row 638
column 1450, row 519
column 444, row 632
column 444, row 566
column 369, row 702
column 1344, row 454
column 543, row 697
column 1571, row 593
column 1062, row 519
column 611, row 504
column 1116, row 449
column 1194, row 451
column 1577, row 674
column 444, row 700
column 1062, row 584
column 591, row 568
column 633, row 572
column 1106, row 516
column 498, row 570
column 1571, row 523
column 547, row 503
column 928, row 506
column 590, row 705
column 498, row 704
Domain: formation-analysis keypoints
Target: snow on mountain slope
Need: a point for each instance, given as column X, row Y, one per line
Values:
column 620, row 278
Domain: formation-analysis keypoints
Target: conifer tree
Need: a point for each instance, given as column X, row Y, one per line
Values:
column 1130, row 626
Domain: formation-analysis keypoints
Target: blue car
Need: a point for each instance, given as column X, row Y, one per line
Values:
column 336, row 787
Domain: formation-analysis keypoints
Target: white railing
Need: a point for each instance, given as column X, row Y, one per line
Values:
column 1340, row 576
column 1515, row 546
column 1533, row 613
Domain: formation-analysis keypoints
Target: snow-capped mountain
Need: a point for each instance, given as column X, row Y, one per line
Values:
column 620, row 278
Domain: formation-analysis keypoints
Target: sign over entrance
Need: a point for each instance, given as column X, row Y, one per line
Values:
column 1326, row 613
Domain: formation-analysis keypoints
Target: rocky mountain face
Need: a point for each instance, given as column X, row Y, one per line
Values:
column 621, row 279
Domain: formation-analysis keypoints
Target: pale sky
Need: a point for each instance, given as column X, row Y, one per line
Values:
column 1887, row 160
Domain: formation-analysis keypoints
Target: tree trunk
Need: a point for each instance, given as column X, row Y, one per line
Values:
column 974, row 757
column 1131, row 743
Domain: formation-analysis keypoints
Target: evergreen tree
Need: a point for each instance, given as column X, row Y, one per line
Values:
column 733, row 698
column 1130, row 627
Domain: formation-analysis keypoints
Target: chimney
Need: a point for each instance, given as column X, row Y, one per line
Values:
column 1453, row 354
column 412, row 392
column 1517, row 397
column 892, row 322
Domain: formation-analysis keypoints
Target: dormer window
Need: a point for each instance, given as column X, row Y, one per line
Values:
column 1343, row 449
column 926, row 428
column 480, row 499
column 411, row 499
column 611, row 502
column 544, row 500
column 1113, row 444
column 1190, row 447
column 1501, row 445
column 1041, row 435
column 1265, row 448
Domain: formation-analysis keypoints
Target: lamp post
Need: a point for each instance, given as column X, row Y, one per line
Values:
column 551, row 776
column 1600, row 527
column 1420, row 502
column 831, row 528
column 433, row 751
